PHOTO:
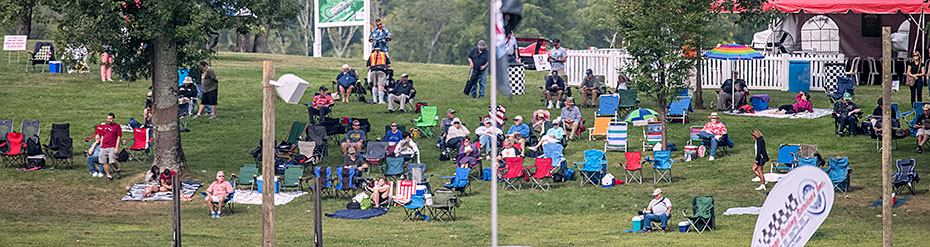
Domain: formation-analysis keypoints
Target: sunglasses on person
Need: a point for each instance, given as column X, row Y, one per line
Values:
column 356, row 125
column 393, row 126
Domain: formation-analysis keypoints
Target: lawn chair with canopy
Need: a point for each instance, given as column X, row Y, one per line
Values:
column 428, row 118
column 246, row 177
column 593, row 167
column 444, row 204
column 542, row 169
column 905, row 176
column 458, row 183
column 633, row 167
column 702, row 216
column 662, row 166
column 514, row 172
column 839, row 173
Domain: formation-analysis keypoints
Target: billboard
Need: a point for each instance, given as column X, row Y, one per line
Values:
column 794, row 208
column 335, row 13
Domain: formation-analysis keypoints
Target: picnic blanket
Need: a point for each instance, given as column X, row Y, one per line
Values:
column 898, row 201
column 137, row 192
column 358, row 214
column 770, row 177
column 253, row 197
column 818, row 112
column 743, row 210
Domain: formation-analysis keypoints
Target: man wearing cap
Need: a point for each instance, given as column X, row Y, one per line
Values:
column 444, row 125
column 725, row 95
column 486, row 132
column 844, row 111
column 554, row 85
column 320, row 105
column 558, row 56
column 217, row 193
column 378, row 64
column 922, row 124
column 401, row 93
column 353, row 160
column 478, row 63
column 713, row 132
column 354, row 138
column 588, row 88
column 571, row 117
column 456, row 133
column 518, row 133
column 658, row 210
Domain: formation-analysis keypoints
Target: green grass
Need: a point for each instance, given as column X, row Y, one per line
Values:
column 68, row 207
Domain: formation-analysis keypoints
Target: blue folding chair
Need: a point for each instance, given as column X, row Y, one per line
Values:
column 325, row 175
column 414, row 209
column 662, row 166
column 905, row 176
column 593, row 167
column 554, row 152
column 807, row 161
column 607, row 105
column 344, row 187
column 678, row 110
column 839, row 173
column 787, row 157
column 458, row 183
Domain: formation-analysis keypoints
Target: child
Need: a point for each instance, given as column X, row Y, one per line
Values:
column 761, row 157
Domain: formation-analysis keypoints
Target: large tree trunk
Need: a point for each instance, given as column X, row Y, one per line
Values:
column 698, row 89
column 167, row 148
column 24, row 21
column 261, row 38
column 242, row 37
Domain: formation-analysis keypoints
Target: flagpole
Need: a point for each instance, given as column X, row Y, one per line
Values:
column 492, row 68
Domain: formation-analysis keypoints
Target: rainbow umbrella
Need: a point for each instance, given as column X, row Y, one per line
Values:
column 733, row 52
column 641, row 114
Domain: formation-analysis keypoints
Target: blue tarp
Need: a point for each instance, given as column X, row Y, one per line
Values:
column 357, row 214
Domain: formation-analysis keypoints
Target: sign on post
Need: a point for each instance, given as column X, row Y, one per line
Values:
column 340, row 13
column 542, row 62
column 794, row 209
column 14, row 42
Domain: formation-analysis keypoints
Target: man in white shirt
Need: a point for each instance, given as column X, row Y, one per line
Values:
column 659, row 210
column 486, row 132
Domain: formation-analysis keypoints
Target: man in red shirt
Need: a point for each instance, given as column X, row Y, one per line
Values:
column 110, row 138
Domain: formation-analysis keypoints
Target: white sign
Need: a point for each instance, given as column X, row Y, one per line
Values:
column 14, row 42
column 542, row 62
column 794, row 209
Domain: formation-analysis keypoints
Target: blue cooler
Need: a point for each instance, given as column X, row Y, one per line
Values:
column 759, row 102
column 421, row 190
column 277, row 185
column 683, row 226
column 637, row 222
column 54, row 67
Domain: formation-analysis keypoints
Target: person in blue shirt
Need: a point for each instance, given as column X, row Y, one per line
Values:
column 518, row 133
column 394, row 135
column 346, row 81
column 553, row 135
column 380, row 36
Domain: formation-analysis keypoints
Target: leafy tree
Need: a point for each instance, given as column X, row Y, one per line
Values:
column 420, row 25
column 20, row 13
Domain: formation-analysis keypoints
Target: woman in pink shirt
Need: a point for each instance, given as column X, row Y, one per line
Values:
column 320, row 105
column 713, row 132
column 217, row 192
column 803, row 105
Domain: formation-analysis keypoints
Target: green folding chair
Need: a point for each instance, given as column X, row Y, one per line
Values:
column 428, row 118
column 246, row 177
column 293, row 178
column 702, row 216
column 444, row 204
column 297, row 130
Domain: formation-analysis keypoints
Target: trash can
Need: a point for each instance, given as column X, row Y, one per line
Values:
column 759, row 102
column 799, row 76
column 683, row 226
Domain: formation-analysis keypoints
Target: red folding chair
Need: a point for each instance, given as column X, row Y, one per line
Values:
column 515, row 171
column 404, row 191
column 14, row 153
column 633, row 166
column 140, row 144
column 543, row 170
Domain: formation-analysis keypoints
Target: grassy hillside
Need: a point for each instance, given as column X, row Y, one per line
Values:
column 68, row 207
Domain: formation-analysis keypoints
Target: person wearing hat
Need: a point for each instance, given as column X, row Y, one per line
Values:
column 658, row 210
column 354, row 137
column 725, row 94
column 486, row 132
column 557, row 57
column 518, row 133
column 319, row 107
column 713, row 133
column 478, row 65
column 571, row 117
column 456, row 133
column 923, row 128
column 554, row 85
column 217, row 193
column 353, row 160
column 588, row 88
column 553, row 135
column 444, row 125
column 346, row 80
column 844, row 111
column 187, row 89
column 401, row 93
column 378, row 64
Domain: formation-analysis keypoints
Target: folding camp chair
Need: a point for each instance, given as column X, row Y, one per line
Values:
column 428, row 119
column 228, row 204
column 59, row 148
column 702, row 216
column 593, row 167
column 843, row 85
column 416, row 172
column 787, row 157
column 307, row 149
column 14, row 149
column 375, row 153
column 444, row 204
column 678, row 110
column 458, row 183
column 542, row 169
column 293, row 178
column 324, row 174
column 296, row 132
column 394, row 166
column 334, row 129
column 140, row 144
column 662, row 166
column 905, row 176
column 514, row 172
column 554, row 152
column 346, row 186
column 628, row 101
column 633, row 167
column 616, row 136
column 246, row 177
column 6, row 126
column 414, row 209
column 317, row 135
column 695, row 138
column 600, row 127
column 839, row 173
column 30, row 130
column 652, row 135
column 404, row 192
column 607, row 106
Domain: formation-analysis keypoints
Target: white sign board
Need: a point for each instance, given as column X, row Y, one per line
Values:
column 542, row 62
column 14, row 42
column 794, row 209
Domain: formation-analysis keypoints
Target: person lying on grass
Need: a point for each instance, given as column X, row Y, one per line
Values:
column 803, row 105
column 217, row 193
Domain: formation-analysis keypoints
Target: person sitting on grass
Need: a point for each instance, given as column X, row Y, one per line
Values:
column 713, row 132
column 518, row 133
column 354, row 138
column 217, row 193
column 803, row 105
column 659, row 210
column 93, row 158
column 468, row 154
column 486, row 133
column 553, row 135
column 922, row 124
column 164, row 183
column 151, row 176
column 394, row 135
column 844, row 111
column 406, row 148
column 456, row 134
column 346, row 81
column 381, row 192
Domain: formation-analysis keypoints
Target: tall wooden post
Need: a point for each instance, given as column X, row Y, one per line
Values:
column 886, row 137
column 176, row 214
column 317, row 213
column 268, row 154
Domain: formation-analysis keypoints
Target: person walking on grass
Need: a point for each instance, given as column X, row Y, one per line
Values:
column 761, row 157
column 217, row 193
column 478, row 74
column 210, row 88
column 110, row 136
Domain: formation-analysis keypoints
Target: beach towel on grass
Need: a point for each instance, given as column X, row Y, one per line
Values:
column 137, row 192
column 899, row 201
column 253, row 197
column 743, row 210
column 357, row 214
column 770, row 177
column 818, row 112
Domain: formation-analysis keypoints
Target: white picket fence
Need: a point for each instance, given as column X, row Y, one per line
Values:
column 770, row 73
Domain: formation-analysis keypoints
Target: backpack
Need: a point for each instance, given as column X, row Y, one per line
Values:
column 569, row 174
column 420, row 104
column 444, row 155
column 123, row 156
column 366, row 204
column 34, row 163
column 353, row 205
column 32, row 147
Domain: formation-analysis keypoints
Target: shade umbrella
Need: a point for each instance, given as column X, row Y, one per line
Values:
column 641, row 114
column 733, row 52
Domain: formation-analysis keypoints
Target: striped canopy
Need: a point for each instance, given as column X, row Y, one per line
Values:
column 641, row 114
column 733, row 52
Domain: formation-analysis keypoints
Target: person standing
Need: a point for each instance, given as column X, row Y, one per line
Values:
column 378, row 64
column 762, row 156
column 588, row 88
column 320, row 105
column 210, row 88
column 915, row 78
column 380, row 36
column 509, row 49
column 557, row 57
column 110, row 138
column 106, row 66
column 478, row 63
column 659, row 210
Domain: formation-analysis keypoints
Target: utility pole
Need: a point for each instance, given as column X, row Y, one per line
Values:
column 268, row 183
column 886, row 137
